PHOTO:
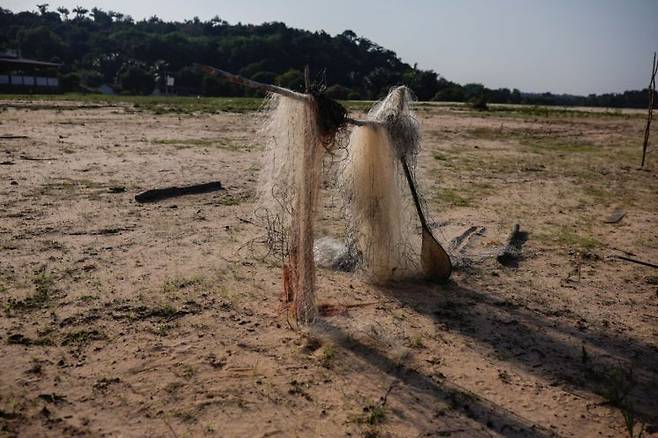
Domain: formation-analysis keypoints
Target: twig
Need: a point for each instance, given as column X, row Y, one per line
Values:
column 12, row 137
column 384, row 399
column 171, row 429
column 639, row 262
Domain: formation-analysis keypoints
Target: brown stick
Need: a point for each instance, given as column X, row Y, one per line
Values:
column 652, row 95
column 639, row 262
column 307, row 79
column 239, row 80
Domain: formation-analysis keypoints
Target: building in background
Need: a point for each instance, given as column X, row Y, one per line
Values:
column 22, row 75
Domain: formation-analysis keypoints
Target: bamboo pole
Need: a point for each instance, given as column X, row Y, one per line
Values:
column 652, row 96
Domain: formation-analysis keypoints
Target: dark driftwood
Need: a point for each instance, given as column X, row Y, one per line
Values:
column 156, row 195
column 511, row 252
column 25, row 157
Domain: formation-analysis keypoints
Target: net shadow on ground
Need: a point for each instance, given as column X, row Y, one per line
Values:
column 561, row 352
column 468, row 405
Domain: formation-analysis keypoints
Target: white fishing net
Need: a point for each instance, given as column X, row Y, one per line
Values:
column 288, row 195
column 383, row 226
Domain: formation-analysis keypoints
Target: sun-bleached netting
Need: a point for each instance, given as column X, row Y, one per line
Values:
column 383, row 227
column 382, row 238
column 288, row 193
column 297, row 134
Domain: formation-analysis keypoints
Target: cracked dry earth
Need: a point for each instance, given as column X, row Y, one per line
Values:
column 126, row 319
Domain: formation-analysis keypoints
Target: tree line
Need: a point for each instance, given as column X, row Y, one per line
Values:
column 134, row 57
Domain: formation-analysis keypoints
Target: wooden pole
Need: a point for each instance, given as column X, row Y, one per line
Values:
column 239, row 80
column 307, row 79
column 652, row 96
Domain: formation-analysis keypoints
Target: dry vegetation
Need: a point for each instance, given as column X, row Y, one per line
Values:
column 162, row 320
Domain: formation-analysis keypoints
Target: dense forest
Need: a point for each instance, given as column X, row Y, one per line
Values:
column 100, row 47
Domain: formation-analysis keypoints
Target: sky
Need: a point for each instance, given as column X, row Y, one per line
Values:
column 561, row 46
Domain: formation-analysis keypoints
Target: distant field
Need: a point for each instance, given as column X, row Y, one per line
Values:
column 192, row 104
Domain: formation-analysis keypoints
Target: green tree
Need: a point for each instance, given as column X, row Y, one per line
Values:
column 135, row 79
column 293, row 79
column 63, row 12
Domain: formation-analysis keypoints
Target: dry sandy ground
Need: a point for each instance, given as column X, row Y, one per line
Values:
column 121, row 319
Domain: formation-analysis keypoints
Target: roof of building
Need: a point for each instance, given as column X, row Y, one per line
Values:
column 25, row 61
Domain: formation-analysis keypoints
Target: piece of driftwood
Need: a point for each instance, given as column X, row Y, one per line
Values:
column 456, row 242
column 615, row 216
column 156, row 195
column 28, row 158
column 509, row 254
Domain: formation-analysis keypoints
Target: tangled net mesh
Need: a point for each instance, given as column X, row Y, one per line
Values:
column 383, row 229
column 297, row 134
column 382, row 235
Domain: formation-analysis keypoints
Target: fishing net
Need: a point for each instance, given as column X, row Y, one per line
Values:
column 297, row 135
column 383, row 230
column 382, row 237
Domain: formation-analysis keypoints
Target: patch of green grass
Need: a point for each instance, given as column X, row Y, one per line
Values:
column 327, row 355
column 375, row 415
column 417, row 342
column 537, row 142
column 154, row 104
column 440, row 156
column 163, row 330
column 80, row 338
column 166, row 311
column 44, row 289
column 599, row 194
column 229, row 200
column 173, row 285
column 564, row 237
column 566, row 145
column 537, row 111
column 219, row 143
column 452, row 197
